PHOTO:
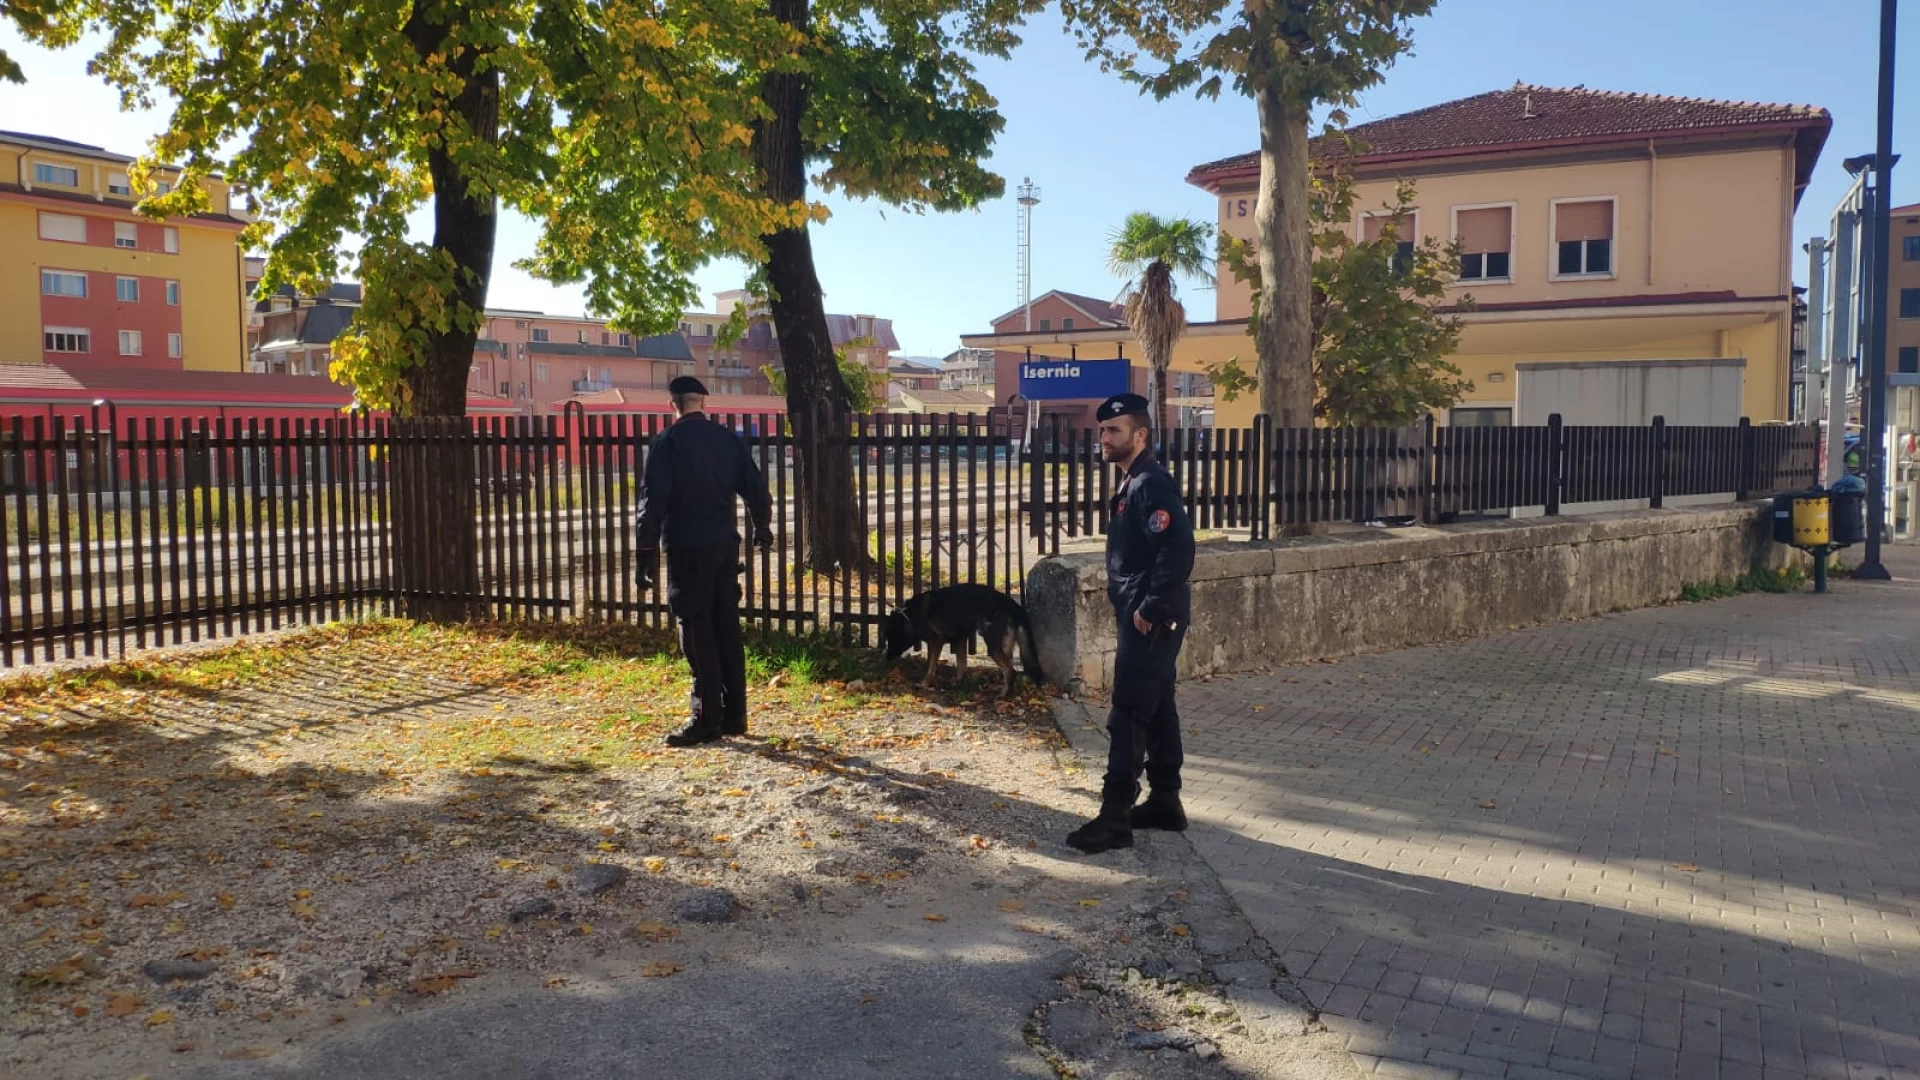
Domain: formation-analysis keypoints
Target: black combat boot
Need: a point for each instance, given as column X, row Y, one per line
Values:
column 694, row 734
column 1160, row 811
column 734, row 726
column 1110, row 829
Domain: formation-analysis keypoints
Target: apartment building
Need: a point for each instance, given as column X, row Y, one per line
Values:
column 539, row 362
column 739, row 367
column 84, row 280
column 1903, row 293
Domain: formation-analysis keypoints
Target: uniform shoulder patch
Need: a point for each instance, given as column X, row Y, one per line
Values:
column 1158, row 521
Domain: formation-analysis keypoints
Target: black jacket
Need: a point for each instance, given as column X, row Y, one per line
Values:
column 1149, row 546
column 695, row 469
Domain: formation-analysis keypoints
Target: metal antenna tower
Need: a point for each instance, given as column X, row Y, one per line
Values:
column 1029, row 197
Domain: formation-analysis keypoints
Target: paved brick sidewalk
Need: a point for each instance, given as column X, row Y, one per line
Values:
column 1680, row 842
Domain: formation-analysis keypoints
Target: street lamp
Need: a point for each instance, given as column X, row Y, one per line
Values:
column 1871, row 568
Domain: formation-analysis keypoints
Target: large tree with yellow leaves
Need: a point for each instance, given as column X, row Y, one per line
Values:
column 624, row 127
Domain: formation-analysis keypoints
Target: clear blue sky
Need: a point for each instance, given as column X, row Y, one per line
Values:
column 1098, row 150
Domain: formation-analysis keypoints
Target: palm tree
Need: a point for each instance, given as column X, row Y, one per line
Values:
column 1148, row 251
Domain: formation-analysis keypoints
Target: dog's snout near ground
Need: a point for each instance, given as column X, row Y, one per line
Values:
column 950, row 617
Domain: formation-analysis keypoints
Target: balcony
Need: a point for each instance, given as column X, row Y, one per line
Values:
column 726, row 371
column 591, row 386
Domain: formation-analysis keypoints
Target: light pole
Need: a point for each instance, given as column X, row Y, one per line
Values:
column 1878, row 242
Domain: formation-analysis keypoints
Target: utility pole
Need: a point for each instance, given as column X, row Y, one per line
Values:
column 1816, row 250
column 1880, row 226
column 1841, row 334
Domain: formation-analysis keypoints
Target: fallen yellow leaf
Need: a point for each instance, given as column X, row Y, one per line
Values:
column 1013, row 905
column 1687, row 867
column 246, row 1053
column 162, row 1017
column 654, row 864
column 934, row 918
column 496, row 930
column 1089, row 902
column 224, row 899
column 302, row 909
column 660, row 969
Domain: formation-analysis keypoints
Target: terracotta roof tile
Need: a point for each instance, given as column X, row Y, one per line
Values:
column 1528, row 115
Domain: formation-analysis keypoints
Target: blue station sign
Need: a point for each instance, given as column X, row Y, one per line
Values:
column 1063, row 380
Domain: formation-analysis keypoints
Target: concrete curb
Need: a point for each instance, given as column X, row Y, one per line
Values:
column 1233, row 957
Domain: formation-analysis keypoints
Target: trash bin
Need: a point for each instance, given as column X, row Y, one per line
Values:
column 1812, row 522
column 1783, row 517
column 1848, row 511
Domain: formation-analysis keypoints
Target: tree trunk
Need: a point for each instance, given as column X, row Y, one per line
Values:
column 817, row 399
column 1284, row 336
column 436, row 564
column 1159, row 402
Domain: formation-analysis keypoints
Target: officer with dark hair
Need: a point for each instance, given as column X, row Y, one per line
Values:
column 1149, row 559
column 695, row 469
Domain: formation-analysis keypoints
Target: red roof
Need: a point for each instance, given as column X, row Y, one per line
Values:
column 1538, row 117
column 127, row 385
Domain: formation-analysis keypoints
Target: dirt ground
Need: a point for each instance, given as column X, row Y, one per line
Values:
column 226, row 855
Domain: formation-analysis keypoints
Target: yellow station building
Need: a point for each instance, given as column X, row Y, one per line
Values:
column 1627, row 254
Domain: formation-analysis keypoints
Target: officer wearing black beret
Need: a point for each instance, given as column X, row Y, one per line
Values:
column 695, row 469
column 1149, row 559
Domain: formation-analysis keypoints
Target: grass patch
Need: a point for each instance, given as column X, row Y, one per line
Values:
column 1758, row 579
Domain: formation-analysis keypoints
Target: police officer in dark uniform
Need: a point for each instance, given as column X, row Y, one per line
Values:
column 694, row 471
column 1149, row 559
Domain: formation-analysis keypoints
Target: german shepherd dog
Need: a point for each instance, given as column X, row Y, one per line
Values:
column 949, row 616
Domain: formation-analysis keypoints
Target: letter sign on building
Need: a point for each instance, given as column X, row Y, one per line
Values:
column 1068, row 380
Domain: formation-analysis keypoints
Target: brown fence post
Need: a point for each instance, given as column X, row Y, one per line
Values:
column 1743, row 465
column 1426, row 470
column 1556, row 463
column 1657, row 486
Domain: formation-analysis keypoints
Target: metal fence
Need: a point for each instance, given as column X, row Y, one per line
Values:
column 119, row 537
column 1251, row 481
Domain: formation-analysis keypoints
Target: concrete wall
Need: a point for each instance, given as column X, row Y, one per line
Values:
column 1259, row 605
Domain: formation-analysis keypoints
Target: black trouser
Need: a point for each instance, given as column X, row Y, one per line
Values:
column 703, row 592
column 1144, row 725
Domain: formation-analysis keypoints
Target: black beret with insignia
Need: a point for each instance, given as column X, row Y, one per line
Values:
column 687, row 384
column 1120, row 405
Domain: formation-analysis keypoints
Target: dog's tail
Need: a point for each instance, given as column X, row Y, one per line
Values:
column 1029, row 648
